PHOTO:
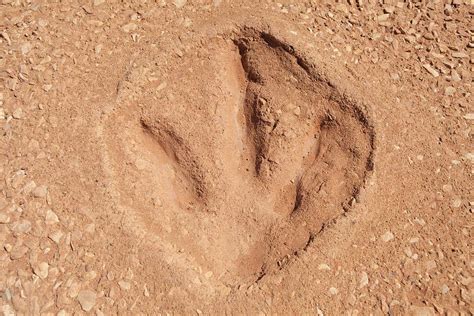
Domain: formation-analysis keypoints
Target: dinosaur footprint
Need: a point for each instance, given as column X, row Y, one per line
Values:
column 242, row 164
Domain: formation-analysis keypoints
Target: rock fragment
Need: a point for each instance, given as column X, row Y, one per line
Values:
column 469, row 116
column 56, row 236
column 388, row 236
column 460, row 55
column 98, row 49
column 455, row 76
column 4, row 34
column 333, row 291
column 87, row 299
column 26, row 48
column 447, row 188
column 124, row 285
column 383, row 17
column 469, row 156
column 421, row 311
column 127, row 28
column 324, row 267
column 51, row 218
column 449, row 91
column 30, row 186
column 4, row 218
column 456, row 202
column 18, row 252
column 42, row 270
column 21, row 227
column 430, row 265
column 444, row 289
column 431, row 70
column 467, row 295
column 18, row 114
column 40, row 191
column 364, row 280
column 180, row 3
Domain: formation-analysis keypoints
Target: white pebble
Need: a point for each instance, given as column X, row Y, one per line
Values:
column 324, row 267
column 387, row 236
column 364, row 280
column 444, row 289
column 179, row 3
column 333, row 291
column 17, row 114
column 40, row 191
column 4, row 218
column 124, row 285
column 87, row 299
column 51, row 218
column 42, row 270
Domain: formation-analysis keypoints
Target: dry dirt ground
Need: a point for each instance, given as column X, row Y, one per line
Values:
column 236, row 157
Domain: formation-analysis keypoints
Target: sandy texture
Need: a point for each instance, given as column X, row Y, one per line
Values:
column 199, row 157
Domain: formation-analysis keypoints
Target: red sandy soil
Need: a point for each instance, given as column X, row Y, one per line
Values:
column 236, row 157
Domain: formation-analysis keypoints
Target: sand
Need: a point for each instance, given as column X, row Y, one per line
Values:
column 199, row 157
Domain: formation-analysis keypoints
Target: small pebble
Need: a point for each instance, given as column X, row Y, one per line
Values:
column 431, row 70
column 430, row 265
column 387, row 236
column 56, row 236
column 180, row 3
column 51, row 218
column 383, row 17
column 449, row 91
column 421, row 311
column 40, row 191
column 21, row 227
column 456, row 203
column 17, row 114
column 364, row 280
column 124, row 285
column 447, row 188
column 25, row 48
column 420, row 221
column 87, row 299
column 460, row 55
column 297, row 111
column 4, row 218
column 18, row 252
column 324, row 267
column 47, row 87
column 30, row 186
column 333, row 291
column 127, row 28
column 42, row 270
column 110, row 276
column 469, row 156
column 444, row 289
column 455, row 76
